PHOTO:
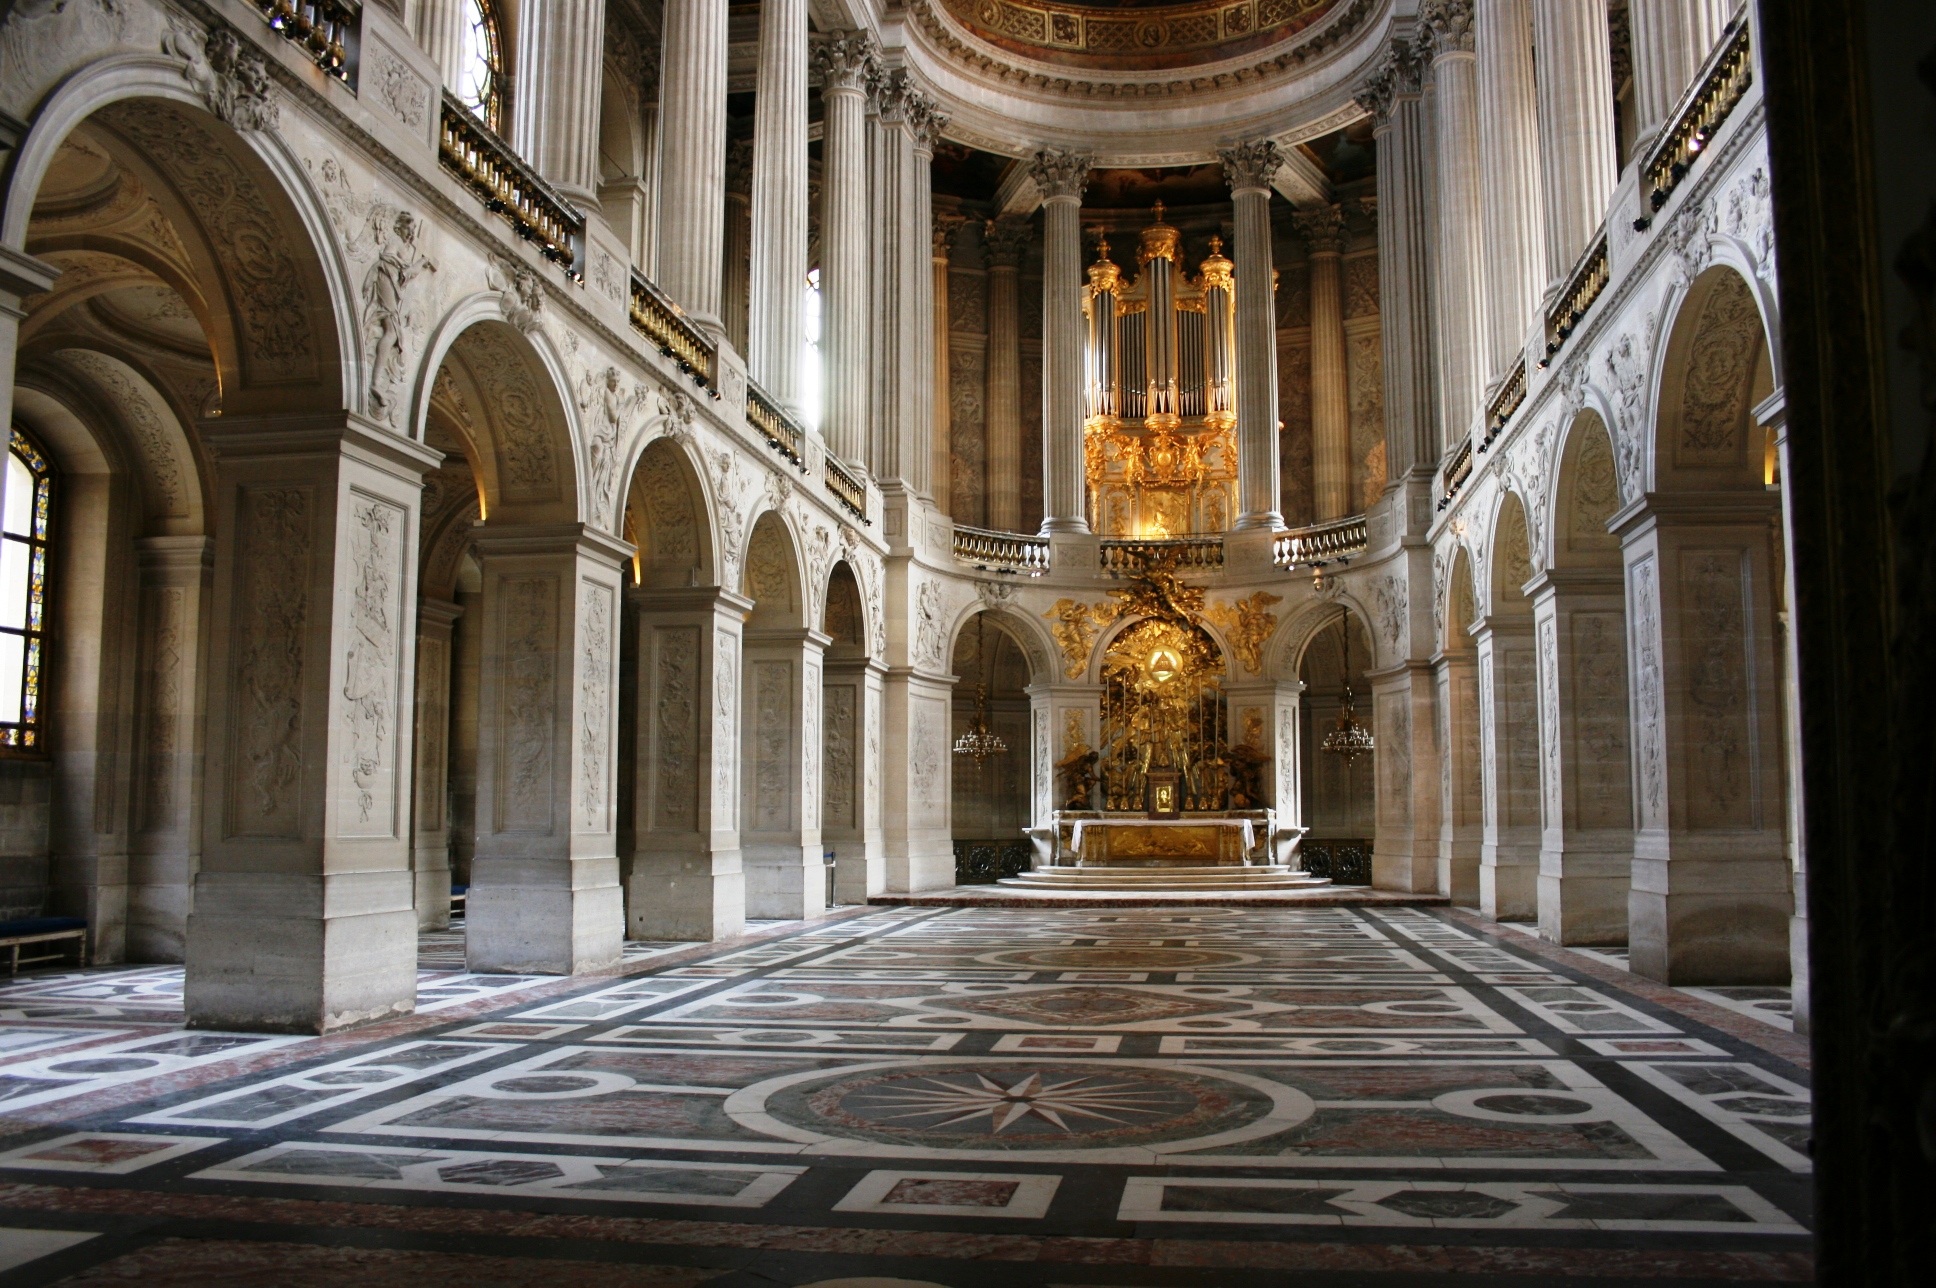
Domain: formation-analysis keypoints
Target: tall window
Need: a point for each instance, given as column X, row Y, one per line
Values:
column 480, row 82
column 25, row 514
column 812, row 372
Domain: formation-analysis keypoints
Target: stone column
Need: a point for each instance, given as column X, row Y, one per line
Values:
column 440, row 33
column 1403, row 138
column 779, row 258
column 1515, row 232
column 1405, row 845
column 1710, row 901
column 850, row 816
column 165, row 830
column 561, row 72
column 1576, row 126
column 544, row 893
column 302, row 916
column 780, row 773
column 1774, row 413
column 1264, row 716
column 686, row 878
column 925, row 125
column 1322, row 228
column 1006, row 240
column 1586, row 796
column 940, row 471
column 692, row 155
column 735, row 283
column 1248, row 169
column 904, row 305
column 1509, row 746
column 1671, row 39
column 845, row 62
column 1461, row 302
column 1062, row 176
column 1461, row 786
column 430, row 819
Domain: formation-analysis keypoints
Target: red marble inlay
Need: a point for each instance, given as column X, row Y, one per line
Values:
column 952, row 1193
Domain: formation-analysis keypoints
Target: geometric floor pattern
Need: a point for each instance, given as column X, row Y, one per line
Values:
column 962, row 1096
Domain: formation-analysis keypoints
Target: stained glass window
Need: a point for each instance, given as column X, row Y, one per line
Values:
column 480, row 79
column 25, row 517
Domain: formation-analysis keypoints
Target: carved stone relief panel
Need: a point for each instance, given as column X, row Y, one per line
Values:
column 371, row 672
column 1394, row 757
column 1491, row 763
column 1715, row 390
column 925, row 766
column 432, row 742
column 527, row 469
column 1365, row 373
column 967, row 435
column 840, row 750
column 271, row 623
column 162, row 470
column 1602, row 769
column 1520, row 676
column 725, row 720
column 772, row 746
column 1360, row 285
column 1549, row 719
column 1596, row 492
column 1714, row 659
column 162, row 741
column 768, row 569
column 675, row 726
column 595, row 706
column 1650, row 711
column 671, row 535
column 527, row 688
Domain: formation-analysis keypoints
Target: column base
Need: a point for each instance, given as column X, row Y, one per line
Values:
column 860, row 868
column 685, row 895
column 431, row 865
column 160, row 896
column 1459, row 872
column 1396, row 867
column 1583, row 895
column 550, row 917
column 263, row 957
column 1509, row 881
column 927, row 865
column 1718, row 938
column 785, row 882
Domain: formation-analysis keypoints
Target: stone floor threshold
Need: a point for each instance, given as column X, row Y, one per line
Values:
column 991, row 896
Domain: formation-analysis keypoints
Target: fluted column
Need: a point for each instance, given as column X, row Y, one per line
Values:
column 735, row 286
column 1515, row 231
column 440, row 33
column 1006, row 240
column 1248, row 169
column 903, row 294
column 1460, row 304
column 845, row 62
column 1322, row 228
column 692, row 158
column 1401, row 133
column 925, row 126
column 554, row 124
column 940, row 472
column 779, row 258
column 1576, row 125
column 1062, row 176
column 1671, row 39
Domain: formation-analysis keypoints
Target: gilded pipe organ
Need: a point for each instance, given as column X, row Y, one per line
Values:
column 1159, row 428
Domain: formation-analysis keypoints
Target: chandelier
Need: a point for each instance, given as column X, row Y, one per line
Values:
column 1348, row 738
column 978, row 740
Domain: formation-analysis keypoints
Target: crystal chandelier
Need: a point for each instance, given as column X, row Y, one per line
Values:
column 978, row 740
column 1349, row 738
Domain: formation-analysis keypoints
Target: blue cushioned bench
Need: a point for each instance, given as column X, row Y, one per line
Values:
column 46, row 932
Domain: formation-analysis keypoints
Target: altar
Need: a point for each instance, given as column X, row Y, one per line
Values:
column 1145, row 842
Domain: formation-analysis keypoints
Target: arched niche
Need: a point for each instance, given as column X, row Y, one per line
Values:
column 1511, row 564
column 991, row 798
column 498, row 395
column 1339, row 795
column 772, row 579
column 666, row 520
column 1715, row 369
column 844, row 620
column 1586, row 498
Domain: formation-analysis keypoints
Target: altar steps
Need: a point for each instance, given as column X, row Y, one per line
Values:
column 1178, row 877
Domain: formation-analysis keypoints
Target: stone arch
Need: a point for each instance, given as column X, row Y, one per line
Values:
column 504, row 395
column 667, row 520
column 843, row 617
column 1108, row 635
column 1311, row 619
column 1509, row 565
column 1339, row 798
column 774, row 579
column 1035, row 645
column 252, row 239
column 1461, row 603
column 1586, row 497
column 991, row 797
column 1715, row 367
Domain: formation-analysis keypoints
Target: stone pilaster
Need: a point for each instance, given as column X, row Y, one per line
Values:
column 1460, row 302
column 430, row 816
column 1061, row 177
column 1006, row 240
column 561, row 71
column 1515, row 231
column 940, row 444
column 779, row 253
column 692, row 156
column 780, row 792
column 1576, row 126
column 302, row 916
column 845, row 62
column 850, row 817
column 1509, row 759
column 1248, row 169
column 1322, row 228
column 1671, row 39
column 544, row 891
column 1405, row 844
column 1461, row 784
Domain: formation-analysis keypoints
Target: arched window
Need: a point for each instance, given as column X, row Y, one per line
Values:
column 480, row 83
column 25, row 522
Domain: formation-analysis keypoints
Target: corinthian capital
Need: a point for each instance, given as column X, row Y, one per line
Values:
column 1250, row 165
column 1060, row 174
column 1321, row 227
column 1396, row 76
column 1450, row 24
column 846, row 60
column 925, row 121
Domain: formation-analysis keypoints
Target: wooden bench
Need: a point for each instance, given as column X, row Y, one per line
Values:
column 457, row 893
column 60, row 934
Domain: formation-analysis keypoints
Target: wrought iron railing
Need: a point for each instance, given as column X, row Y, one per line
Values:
column 327, row 31
column 664, row 323
column 848, row 490
column 1590, row 277
column 782, row 433
column 986, row 862
column 1320, row 544
column 1509, row 398
column 1132, row 556
column 1344, row 862
column 1457, row 471
column 1720, row 86
column 509, row 187
column 1011, row 552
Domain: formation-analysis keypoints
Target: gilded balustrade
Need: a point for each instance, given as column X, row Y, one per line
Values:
column 986, row 550
column 490, row 169
column 1720, row 86
column 1320, row 544
column 664, row 323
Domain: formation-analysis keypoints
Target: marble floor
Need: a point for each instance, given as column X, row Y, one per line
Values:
column 957, row 1096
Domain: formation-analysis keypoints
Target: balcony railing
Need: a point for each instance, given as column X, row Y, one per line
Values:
column 849, row 491
column 1010, row 552
column 1320, row 544
column 1132, row 556
column 664, row 323
column 1457, row 471
column 1510, row 396
column 1721, row 84
column 782, row 433
column 327, row 31
column 509, row 187
column 1590, row 277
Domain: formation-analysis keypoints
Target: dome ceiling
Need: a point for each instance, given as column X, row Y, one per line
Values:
column 1135, row 35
